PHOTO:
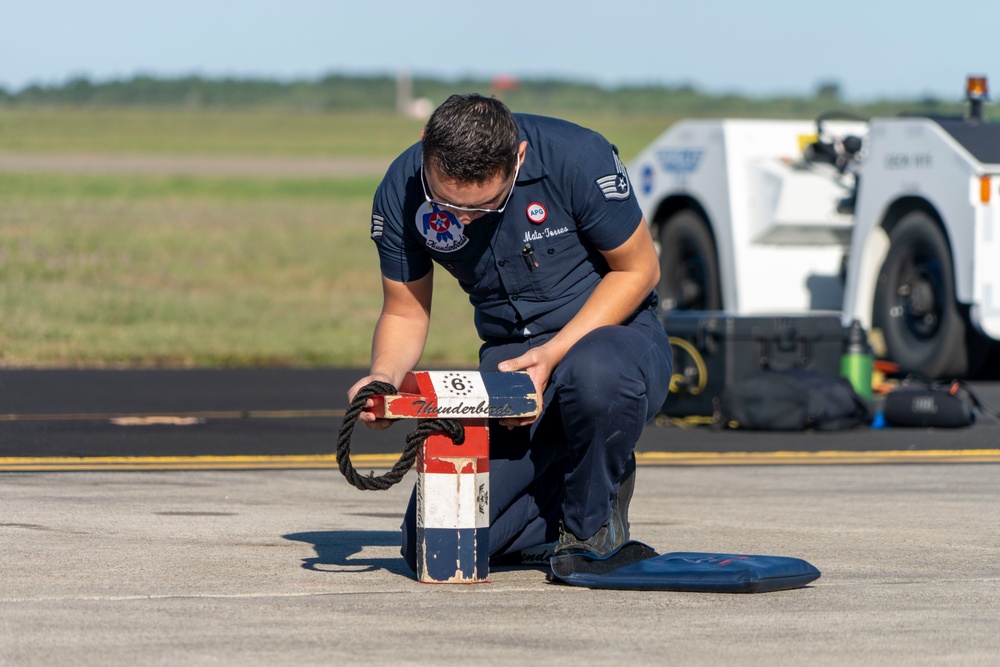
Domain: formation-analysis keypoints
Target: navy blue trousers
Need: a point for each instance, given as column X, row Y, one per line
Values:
column 569, row 463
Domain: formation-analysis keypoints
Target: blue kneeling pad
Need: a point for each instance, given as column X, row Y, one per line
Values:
column 636, row 566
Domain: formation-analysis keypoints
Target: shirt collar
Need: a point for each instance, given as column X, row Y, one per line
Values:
column 532, row 169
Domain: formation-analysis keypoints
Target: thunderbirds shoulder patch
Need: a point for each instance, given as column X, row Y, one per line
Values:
column 441, row 230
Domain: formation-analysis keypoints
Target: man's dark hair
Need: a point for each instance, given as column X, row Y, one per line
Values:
column 471, row 138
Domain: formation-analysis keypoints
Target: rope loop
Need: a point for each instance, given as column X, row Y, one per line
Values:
column 452, row 428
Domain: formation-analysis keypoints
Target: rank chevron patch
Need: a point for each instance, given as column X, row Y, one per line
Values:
column 615, row 187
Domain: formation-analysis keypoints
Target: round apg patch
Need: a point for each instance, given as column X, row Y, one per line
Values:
column 537, row 213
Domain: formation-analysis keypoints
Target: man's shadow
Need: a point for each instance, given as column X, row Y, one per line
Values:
column 338, row 551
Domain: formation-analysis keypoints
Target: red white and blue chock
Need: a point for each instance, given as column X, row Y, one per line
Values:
column 453, row 481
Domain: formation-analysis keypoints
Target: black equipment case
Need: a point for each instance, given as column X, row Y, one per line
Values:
column 713, row 349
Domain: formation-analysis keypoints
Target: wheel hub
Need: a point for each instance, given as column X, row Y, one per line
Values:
column 691, row 291
column 692, row 283
column 920, row 303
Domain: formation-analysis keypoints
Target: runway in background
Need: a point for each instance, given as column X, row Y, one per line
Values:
column 282, row 418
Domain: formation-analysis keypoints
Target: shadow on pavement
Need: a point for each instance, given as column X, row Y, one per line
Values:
column 343, row 551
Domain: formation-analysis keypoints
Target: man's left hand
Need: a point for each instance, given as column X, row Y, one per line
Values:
column 537, row 363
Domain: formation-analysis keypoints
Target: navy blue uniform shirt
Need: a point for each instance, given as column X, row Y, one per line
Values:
column 528, row 270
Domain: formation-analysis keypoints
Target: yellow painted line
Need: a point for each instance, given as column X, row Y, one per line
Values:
column 52, row 464
column 217, row 414
column 824, row 457
column 61, row 463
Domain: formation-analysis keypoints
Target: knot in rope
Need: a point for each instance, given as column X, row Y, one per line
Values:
column 453, row 429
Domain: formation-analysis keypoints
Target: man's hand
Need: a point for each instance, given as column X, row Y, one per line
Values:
column 634, row 272
column 538, row 363
column 366, row 417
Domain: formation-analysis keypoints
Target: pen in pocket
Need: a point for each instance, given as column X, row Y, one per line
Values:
column 529, row 256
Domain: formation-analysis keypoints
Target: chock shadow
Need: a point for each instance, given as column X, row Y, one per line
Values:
column 338, row 551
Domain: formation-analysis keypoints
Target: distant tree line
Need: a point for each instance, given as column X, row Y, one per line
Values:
column 339, row 93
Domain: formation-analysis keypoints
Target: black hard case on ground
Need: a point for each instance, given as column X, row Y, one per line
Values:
column 713, row 349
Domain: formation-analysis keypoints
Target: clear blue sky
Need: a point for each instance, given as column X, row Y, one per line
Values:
column 871, row 48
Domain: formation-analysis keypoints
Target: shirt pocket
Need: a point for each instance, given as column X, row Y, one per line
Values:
column 555, row 264
column 473, row 275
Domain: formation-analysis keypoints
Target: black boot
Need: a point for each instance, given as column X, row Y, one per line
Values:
column 614, row 532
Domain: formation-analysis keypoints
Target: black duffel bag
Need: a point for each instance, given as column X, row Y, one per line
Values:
column 795, row 399
column 925, row 405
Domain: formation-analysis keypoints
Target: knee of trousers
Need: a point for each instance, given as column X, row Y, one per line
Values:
column 597, row 376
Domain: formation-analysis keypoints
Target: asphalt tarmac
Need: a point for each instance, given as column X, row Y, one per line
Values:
column 103, row 564
column 296, row 567
column 68, row 419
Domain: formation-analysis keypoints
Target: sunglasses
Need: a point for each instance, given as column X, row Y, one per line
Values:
column 469, row 209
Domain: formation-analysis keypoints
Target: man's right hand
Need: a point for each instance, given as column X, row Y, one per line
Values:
column 366, row 417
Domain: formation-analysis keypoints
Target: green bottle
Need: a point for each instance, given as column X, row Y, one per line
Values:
column 856, row 360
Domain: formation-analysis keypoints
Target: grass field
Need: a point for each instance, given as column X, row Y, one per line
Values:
column 207, row 269
column 251, row 133
column 168, row 271
column 163, row 132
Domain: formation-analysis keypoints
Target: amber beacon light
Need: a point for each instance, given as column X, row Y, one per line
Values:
column 976, row 89
column 976, row 92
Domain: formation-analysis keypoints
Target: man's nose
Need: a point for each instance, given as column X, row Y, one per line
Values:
column 465, row 217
